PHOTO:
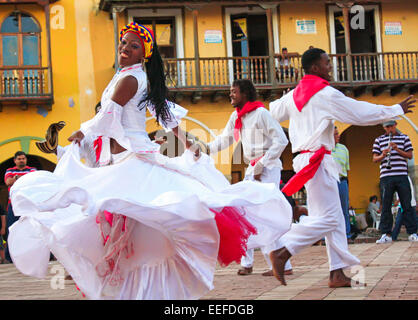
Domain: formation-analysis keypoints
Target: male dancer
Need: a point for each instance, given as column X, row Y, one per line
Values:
column 263, row 141
column 311, row 109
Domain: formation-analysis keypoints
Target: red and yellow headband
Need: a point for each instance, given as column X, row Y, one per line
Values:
column 146, row 36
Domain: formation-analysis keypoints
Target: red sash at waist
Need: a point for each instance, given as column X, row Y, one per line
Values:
column 254, row 161
column 307, row 173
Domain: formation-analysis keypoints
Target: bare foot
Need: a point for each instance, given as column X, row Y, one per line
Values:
column 245, row 271
column 278, row 259
column 299, row 211
column 270, row 273
column 337, row 279
column 288, row 272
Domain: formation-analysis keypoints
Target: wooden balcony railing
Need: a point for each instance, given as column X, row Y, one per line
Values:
column 216, row 72
column 24, row 83
column 220, row 72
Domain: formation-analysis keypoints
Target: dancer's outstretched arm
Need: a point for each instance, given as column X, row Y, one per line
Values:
column 351, row 111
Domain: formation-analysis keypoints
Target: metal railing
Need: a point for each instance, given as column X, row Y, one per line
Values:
column 221, row 71
column 21, row 82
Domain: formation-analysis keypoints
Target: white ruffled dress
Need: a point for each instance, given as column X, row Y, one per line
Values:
column 142, row 227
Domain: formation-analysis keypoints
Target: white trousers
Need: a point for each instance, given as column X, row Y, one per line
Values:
column 325, row 219
column 268, row 176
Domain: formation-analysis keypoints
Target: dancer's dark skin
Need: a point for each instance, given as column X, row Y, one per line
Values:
column 337, row 279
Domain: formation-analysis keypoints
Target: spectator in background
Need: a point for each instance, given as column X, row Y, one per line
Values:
column 341, row 157
column 374, row 209
column 286, row 67
column 353, row 221
column 397, row 147
column 2, row 234
column 11, row 176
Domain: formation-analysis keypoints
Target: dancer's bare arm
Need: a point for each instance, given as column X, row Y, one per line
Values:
column 125, row 89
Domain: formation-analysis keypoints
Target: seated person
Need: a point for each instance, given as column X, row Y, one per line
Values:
column 355, row 231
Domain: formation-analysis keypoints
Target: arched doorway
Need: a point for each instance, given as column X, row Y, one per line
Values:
column 364, row 174
column 33, row 161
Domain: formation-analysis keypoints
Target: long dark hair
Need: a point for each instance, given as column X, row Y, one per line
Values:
column 158, row 91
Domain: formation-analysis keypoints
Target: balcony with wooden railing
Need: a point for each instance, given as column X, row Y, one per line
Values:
column 26, row 86
column 393, row 71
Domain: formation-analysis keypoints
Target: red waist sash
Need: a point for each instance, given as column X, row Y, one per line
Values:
column 307, row 173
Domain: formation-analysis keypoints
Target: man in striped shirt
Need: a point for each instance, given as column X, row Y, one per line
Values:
column 10, row 177
column 341, row 157
column 394, row 178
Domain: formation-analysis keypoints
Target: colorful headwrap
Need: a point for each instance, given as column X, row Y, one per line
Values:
column 146, row 36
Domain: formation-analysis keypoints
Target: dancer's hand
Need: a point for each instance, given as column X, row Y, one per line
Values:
column 258, row 171
column 196, row 149
column 160, row 140
column 408, row 104
column 257, row 177
column 77, row 137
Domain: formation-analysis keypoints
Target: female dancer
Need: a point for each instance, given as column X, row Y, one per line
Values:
column 140, row 225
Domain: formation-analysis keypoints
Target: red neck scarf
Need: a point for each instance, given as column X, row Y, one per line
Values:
column 247, row 108
column 307, row 87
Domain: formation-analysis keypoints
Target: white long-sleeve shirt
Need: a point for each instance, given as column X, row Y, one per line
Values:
column 260, row 135
column 313, row 127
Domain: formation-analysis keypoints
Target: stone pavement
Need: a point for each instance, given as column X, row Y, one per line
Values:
column 390, row 270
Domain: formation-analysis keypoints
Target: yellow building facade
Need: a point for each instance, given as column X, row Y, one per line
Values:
column 205, row 46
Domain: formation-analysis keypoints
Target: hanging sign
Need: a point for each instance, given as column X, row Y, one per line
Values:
column 213, row 36
column 393, row 28
column 305, row 26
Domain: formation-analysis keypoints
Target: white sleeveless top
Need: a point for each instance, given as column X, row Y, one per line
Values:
column 133, row 116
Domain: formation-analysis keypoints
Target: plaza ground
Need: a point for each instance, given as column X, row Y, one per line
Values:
column 390, row 271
